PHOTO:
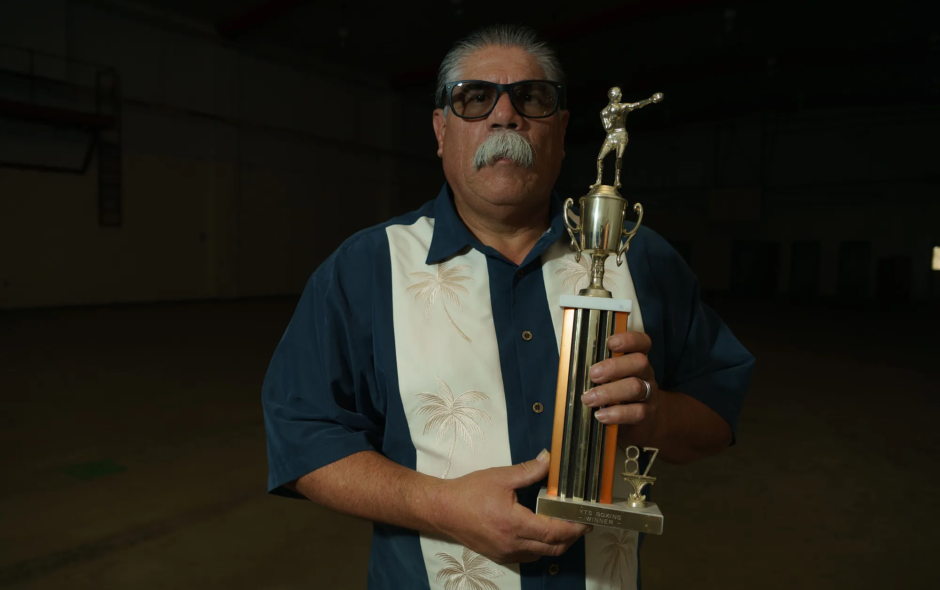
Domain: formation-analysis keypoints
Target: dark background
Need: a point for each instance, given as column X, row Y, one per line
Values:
column 172, row 172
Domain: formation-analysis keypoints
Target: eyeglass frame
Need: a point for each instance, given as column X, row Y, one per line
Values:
column 500, row 89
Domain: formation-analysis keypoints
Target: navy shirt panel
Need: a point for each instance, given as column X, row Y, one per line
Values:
column 325, row 396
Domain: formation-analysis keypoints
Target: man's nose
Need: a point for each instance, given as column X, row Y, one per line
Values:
column 504, row 114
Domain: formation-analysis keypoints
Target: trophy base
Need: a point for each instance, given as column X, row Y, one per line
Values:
column 618, row 515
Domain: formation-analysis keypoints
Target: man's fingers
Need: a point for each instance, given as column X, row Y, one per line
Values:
column 548, row 536
column 623, row 414
column 536, row 548
column 635, row 364
column 627, row 342
column 528, row 557
column 528, row 473
column 549, row 531
column 627, row 390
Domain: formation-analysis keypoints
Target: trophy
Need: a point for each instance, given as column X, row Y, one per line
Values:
column 581, row 472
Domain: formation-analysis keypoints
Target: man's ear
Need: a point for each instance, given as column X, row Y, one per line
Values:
column 440, row 126
column 563, row 119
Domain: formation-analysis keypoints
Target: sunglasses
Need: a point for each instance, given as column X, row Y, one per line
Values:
column 475, row 99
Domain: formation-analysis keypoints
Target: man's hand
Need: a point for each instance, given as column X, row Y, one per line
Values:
column 620, row 381
column 480, row 511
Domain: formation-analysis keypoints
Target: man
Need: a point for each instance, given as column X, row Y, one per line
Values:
column 415, row 382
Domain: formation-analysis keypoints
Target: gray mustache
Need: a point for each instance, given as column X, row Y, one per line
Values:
column 504, row 143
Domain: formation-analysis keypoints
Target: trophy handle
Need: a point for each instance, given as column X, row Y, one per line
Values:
column 625, row 247
column 569, row 204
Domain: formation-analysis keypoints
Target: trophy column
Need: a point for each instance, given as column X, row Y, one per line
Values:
column 583, row 449
column 581, row 474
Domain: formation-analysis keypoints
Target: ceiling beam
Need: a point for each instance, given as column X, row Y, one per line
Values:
column 256, row 16
column 619, row 15
column 576, row 27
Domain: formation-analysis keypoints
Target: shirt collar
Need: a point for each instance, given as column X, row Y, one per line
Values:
column 450, row 235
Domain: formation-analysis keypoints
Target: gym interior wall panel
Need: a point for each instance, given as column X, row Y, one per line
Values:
column 804, row 263
column 579, row 165
column 278, row 151
column 40, row 25
column 199, row 75
column 51, row 250
column 855, row 269
column 233, row 168
column 166, row 220
column 138, row 54
column 713, row 262
column 135, row 48
column 875, row 145
column 739, row 159
column 387, row 192
column 418, row 182
column 416, row 135
column 382, row 121
column 263, row 232
column 907, row 149
column 222, row 231
column 824, row 155
column 28, row 143
column 326, row 206
column 270, row 92
column 314, row 212
column 172, row 134
column 260, row 148
column 902, row 225
column 829, row 265
column 690, row 153
column 676, row 158
column 225, row 142
column 330, row 108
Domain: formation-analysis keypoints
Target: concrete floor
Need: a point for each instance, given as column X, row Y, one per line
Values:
column 133, row 457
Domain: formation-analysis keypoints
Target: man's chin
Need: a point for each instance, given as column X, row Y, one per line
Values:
column 507, row 171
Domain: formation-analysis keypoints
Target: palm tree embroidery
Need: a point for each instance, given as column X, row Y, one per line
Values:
column 445, row 412
column 446, row 285
column 579, row 274
column 472, row 573
column 620, row 545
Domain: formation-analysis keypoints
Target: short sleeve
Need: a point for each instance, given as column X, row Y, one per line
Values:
column 320, row 397
column 703, row 359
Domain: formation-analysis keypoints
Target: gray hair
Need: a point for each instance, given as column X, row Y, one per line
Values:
column 500, row 35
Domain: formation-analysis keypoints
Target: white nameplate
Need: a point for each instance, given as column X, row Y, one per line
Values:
column 579, row 302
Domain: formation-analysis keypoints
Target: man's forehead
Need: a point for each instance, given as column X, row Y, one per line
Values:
column 499, row 63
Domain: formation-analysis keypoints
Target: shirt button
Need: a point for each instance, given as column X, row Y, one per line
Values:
column 520, row 273
column 527, row 335
column 538, row 408
column 553, row 569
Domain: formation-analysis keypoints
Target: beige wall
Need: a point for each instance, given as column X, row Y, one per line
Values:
column 235, row 165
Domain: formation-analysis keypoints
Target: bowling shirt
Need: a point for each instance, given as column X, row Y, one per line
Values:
column 417, row 341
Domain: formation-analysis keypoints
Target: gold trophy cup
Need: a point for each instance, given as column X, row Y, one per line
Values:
column 581, row 473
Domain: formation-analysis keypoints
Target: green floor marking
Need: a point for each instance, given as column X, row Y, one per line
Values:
column 93, row 469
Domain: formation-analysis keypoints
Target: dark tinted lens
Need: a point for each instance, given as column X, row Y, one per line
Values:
column 535, row 99
column 472, row 99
